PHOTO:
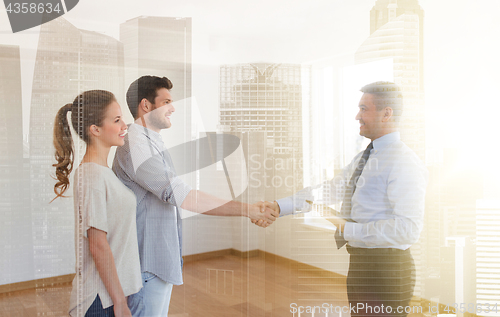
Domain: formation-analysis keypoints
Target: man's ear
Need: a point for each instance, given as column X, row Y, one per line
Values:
column 387, row 114
column 145, row 105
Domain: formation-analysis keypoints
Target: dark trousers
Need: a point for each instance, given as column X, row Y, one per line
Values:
column 380, row 282
column 96, row 309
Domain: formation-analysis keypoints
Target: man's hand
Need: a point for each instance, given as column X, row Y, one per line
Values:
column 262, row 214
column 266, row 205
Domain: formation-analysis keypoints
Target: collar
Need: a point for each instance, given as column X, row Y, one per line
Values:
column 385, row 140
column 150, row 134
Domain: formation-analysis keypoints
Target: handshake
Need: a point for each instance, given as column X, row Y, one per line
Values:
column 264, row 213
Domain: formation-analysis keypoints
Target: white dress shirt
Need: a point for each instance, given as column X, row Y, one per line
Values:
column 389, row 201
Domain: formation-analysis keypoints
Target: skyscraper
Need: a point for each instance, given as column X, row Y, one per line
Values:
column 68, row 61
column 396, row 32
column 488, row 257
column 454, row 285
column 16, row 262
column 267, row 98
column 11, row 137
column 387, row 10
column 161, row 46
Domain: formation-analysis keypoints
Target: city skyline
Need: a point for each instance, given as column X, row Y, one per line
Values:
column 436, row 123
column 211, row 47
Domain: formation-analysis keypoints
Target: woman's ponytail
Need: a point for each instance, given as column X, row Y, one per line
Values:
column 63, row 144
column 88, row 108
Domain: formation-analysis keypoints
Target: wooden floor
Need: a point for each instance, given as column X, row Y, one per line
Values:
column 222, row 286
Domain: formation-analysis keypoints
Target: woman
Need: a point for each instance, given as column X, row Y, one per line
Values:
column 107, row 259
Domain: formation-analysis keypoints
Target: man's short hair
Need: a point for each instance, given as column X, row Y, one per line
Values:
column 387, row 94
column 145, row 87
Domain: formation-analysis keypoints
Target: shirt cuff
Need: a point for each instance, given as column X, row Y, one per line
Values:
column 350, row 230
column 181, row 190
column 286, row 206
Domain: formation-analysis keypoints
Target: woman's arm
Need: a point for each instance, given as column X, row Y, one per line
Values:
column 105, row 264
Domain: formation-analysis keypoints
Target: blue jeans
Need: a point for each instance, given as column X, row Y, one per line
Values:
column 96, row 310
column 153, row 299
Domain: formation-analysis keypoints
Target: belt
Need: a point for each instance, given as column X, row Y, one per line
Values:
column 374, row 251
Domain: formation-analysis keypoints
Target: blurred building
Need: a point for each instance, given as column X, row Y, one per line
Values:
column 396, row 32
column 450, row 212
column 68, row 62
column 385, row 11
column 161, row 46
column 16, row 262
column 456, row 283
column 267, row 98
column 488, row 256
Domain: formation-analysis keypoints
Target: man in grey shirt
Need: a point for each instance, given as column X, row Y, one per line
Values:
column 144, row 165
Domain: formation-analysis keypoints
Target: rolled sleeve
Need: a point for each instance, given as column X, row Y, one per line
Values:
column 156, row 176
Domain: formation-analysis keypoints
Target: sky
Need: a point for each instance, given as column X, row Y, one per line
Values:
column 461, row 50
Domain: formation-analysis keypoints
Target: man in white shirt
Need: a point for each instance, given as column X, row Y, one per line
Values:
column 383, row 194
